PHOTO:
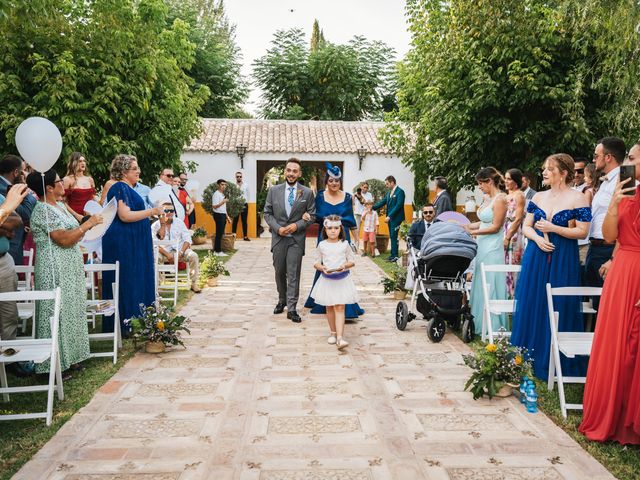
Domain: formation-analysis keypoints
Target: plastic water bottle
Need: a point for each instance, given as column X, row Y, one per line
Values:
column 523, row 390
column 532, row 398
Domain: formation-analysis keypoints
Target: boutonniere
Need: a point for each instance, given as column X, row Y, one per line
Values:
column 298, row 193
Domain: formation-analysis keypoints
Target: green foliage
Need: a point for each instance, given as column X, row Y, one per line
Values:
column 327, row 81
column 199, row 232
column 396, row 280
column 403, row 231
column 211, row 267
column 159, row 324
column 217, row 59
column 110, row 74
column 495, row 364
column 232, row 192
column 506, row 83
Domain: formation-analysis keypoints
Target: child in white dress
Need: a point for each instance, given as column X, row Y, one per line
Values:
column 335, row 288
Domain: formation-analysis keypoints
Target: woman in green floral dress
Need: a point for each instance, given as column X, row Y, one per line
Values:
column 59, row 263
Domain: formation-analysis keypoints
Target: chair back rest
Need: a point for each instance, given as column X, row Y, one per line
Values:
column 28, row 272
column 28, row 254
column 92, row 268
column 167, row 243
column 565, row 292
column 502, row 268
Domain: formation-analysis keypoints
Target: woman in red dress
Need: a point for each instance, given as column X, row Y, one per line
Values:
column 612, row 390
column 79, row 187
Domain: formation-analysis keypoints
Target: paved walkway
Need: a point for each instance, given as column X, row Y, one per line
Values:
column 257, row 397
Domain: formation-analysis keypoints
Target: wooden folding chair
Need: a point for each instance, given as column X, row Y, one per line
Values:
column 568, row 343
column 492, row 305
column 34, row 350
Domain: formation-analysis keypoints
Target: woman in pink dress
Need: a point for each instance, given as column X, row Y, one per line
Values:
column 513, row 238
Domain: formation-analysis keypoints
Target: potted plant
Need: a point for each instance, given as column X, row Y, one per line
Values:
column 199, row 236
column 497, row 368
column 158, row 326
column 211, row 268
column 403, row 233
column 234, row 208
column 395, row 283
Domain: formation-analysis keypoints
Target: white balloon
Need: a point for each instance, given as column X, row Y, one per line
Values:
column 39, row 142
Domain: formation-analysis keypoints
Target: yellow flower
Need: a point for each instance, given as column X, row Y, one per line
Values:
column 160, row 325
column 491, row 347
column 518, row 360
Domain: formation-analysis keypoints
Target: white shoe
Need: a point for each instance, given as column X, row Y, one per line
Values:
column 222, row 254
column 332, row 339
column 341, row 343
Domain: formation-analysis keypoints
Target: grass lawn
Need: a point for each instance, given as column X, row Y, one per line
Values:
column 21, row 439
column 622, row 461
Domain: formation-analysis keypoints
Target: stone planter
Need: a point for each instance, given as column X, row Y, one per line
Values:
column 506, row 390
column 228, row 240
column 154, row 347
column 382, row 243
column 212, row 282
column 198, row 240
column 399, row 294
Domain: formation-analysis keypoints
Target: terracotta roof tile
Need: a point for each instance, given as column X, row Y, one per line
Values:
column 288, row 136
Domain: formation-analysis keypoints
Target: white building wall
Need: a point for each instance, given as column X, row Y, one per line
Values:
column 212, row 166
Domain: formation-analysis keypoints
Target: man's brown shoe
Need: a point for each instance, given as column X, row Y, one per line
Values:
column 195, row 289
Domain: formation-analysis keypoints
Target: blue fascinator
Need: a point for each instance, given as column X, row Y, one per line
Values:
column 333, row 171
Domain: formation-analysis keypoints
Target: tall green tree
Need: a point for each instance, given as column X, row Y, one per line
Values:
column 110, row 74
column 217, row 60
column 327, row 81
column 507, row 82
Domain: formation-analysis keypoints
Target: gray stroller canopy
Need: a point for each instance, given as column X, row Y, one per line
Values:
column 447, row 238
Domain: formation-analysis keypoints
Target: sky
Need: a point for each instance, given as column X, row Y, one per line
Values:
column 257, row 20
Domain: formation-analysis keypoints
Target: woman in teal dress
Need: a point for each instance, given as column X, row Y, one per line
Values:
column 58, row 263
column 489, row 232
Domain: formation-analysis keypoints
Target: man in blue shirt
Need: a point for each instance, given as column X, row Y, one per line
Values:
column 12, row 170
column 8, row 278
column 143, row 191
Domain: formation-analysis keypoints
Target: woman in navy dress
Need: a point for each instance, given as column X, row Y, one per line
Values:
column 128, row 240
column 555, row 220
column 334, row 201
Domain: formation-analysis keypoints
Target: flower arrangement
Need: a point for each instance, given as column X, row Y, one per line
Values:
column 199, row 232
column 403, row 230
column 496, row 364
column 396, row 282
column 158, row 323
column 211, row 267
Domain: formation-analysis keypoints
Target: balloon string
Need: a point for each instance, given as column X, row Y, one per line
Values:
column 46, row 219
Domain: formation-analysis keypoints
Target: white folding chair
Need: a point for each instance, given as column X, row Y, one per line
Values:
column 568, row 343
column 105, row 307
column 34, row 350
column 492, row 305
column 26, row 310
column 168, row 276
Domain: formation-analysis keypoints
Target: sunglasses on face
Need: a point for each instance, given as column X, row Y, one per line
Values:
column 168, row 210
column 579, row 171
column 428, row 213
column 169, row 175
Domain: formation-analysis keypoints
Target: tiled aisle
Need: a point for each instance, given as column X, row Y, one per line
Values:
column 257, row 397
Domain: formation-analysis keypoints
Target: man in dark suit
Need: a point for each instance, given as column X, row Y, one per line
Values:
column 394, row 201
column 12, row 170
column 443, row 201
column 420, row 226
column 283, row 211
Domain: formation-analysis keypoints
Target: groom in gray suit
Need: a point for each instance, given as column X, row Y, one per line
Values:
column 283, row 211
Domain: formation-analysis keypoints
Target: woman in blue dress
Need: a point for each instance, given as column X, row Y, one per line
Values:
column 555, row 220
column 489, row 232
column 334, row 201
column 128, row 240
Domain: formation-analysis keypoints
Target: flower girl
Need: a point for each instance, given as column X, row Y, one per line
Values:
column 335, row 288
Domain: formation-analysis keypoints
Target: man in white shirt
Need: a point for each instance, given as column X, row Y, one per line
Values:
column 176, row 231
column 220, row 217
column 362, row 196
column 245, row 210
column 578, row 185
column 608, row 156
column 166, row 179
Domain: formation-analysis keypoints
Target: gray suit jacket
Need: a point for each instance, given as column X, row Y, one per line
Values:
column 276, row 216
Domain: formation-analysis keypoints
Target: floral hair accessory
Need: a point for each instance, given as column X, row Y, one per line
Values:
column 333, row 170
column 332, row 223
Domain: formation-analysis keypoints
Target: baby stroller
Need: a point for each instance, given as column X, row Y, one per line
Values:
column 439, row 289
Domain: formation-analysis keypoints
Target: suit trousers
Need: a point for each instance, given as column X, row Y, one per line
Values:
column 596, row 256
column 287, row 262
column 8, row 310
column 393, row 234
column 243, row 216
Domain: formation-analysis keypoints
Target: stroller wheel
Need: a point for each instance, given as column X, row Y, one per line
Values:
column 436, row 328
column 402, row 315
column 468, row 329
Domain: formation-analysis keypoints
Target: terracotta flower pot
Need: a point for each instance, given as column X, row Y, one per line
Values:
column 382, row 243
column 212, row 282
column 199, row 240
column 228, row 240
column 506, row 390
column 399, row 294
column 154, row 347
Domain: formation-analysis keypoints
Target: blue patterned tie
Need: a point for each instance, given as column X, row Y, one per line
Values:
column 290, row 199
